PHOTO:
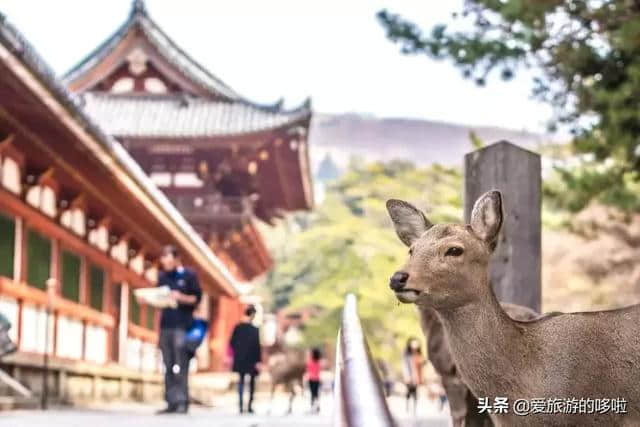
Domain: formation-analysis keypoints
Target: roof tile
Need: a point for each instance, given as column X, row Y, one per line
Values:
column 183, row 116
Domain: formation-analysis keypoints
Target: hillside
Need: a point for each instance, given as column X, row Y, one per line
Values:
column 422, row 141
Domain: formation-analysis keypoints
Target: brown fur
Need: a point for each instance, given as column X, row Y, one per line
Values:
column 576, row 355
column 287, row 368
column 463, row 406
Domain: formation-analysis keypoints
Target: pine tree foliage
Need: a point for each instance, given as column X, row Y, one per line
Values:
column 585, row 56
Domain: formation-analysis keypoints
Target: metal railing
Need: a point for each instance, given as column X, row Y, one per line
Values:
column 358, row 397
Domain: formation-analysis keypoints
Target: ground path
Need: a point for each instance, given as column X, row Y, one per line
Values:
column 223, row 415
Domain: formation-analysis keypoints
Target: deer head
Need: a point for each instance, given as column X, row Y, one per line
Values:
column 445, row 261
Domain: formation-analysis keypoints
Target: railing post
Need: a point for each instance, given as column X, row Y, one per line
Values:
column 515, row 265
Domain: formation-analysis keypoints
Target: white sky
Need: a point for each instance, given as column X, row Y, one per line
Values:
column 334, row 51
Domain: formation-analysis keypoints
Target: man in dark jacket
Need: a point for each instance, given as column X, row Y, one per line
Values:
column 174, row 323
column 245, row 343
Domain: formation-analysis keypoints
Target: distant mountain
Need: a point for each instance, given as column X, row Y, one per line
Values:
column 342, row 136
column 327, row 169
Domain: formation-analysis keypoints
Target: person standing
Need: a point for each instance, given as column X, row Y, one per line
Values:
column 247, row 355
column 314, row 366
column 412, row 364
column 174, row 323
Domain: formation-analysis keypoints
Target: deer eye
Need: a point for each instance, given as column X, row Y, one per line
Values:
column 454, row 251
column 410, row 251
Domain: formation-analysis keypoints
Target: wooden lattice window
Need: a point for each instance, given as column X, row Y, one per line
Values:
column 71, row 271
column 38, row 259
column 134, row 309
column 96, row 288
column 7, row 245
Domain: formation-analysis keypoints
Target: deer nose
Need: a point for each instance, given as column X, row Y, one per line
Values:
column 398, row 280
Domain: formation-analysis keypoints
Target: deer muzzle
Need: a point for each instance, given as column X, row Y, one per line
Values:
column 398, row 281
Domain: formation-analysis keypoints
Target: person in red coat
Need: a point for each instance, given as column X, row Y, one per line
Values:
column 314, row 366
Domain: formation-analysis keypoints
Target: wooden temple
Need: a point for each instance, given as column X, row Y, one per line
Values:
column 222, row 159
column 137, row 146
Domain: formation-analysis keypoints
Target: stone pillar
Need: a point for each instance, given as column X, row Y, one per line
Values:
column 515, row 265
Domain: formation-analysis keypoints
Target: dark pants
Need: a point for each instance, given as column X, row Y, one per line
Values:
column 176, row 364
column 314, row 388
column 252, row 386
column 412, row 391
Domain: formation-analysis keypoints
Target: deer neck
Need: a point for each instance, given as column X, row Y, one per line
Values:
column 485, row 344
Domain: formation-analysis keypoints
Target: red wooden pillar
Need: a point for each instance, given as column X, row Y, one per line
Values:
column 218, row 339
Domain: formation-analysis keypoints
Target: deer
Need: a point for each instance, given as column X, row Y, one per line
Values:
column 588, row 355
column 286, row 367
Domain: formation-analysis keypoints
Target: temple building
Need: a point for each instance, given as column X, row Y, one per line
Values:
column 135, row 147
column 222, row 159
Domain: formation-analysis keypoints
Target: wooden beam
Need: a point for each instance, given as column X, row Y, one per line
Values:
column 8, row 148
column 30, row 294
column 89, row 186
column 142, row 333
column 38, row 221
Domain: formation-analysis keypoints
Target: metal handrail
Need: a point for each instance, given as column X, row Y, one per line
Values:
column 358, row 397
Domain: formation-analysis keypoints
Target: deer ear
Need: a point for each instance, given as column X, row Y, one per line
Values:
column 408, row 221
column 486, row 216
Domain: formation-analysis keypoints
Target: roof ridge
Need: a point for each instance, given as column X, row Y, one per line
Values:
column 140, row 16
column 146, row 19
column 176, row 56
column 138, row 6
column 276, row 108
column 115, row 36
column 161, row 41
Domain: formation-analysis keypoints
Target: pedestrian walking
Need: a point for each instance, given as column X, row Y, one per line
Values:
column 174, row 323
column 413, row 363
column 314, row 366
column 247, row 355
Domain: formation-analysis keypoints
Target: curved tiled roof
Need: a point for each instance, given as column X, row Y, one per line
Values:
column 176, row 115
column 183, row 116
column 172, row 52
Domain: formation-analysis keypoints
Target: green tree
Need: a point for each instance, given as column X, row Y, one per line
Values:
column 585, row 56
column 348, row 246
